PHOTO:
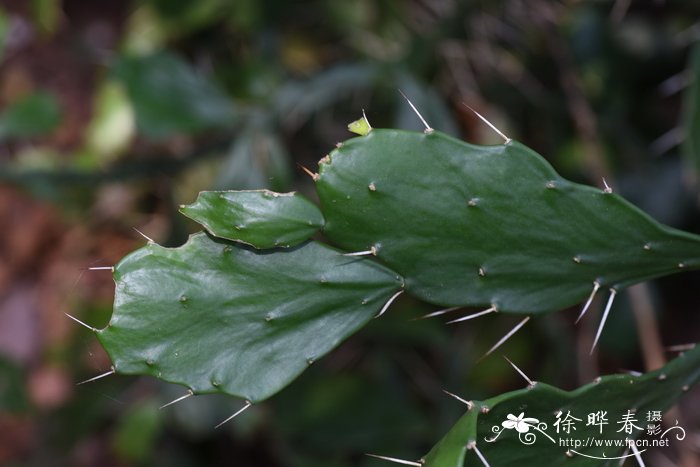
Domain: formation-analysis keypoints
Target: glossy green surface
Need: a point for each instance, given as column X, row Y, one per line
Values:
column 260, row 218
column 614, row 395
column 216, row 316
column 488, row 225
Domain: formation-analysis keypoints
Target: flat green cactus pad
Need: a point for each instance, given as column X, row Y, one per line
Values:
column 216, row 316
column 260, row 218
column 451, row 223
column 493, row 226
column 640, row 399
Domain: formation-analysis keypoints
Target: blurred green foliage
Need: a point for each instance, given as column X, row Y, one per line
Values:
column 33, row 115
column 171, row 98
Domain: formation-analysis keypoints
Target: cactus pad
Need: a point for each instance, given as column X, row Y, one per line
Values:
column 217, row 316
column 260, row 218
column 615, row 395
column 488, row 225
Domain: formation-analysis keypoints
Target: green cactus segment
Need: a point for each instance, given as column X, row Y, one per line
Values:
column 488, row 225
column 217, row 316
column 260, row 218
column 616, row 395
column 451, row 451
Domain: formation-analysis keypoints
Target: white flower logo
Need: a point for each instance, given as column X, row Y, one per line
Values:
column 521, row 423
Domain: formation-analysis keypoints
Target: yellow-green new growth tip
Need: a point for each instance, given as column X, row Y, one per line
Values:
column 360, row 126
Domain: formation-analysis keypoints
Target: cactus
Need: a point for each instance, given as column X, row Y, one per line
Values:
column 493, row 226
column 217, row 316
column 481, row 432
column 245, row 309
column 261, row 218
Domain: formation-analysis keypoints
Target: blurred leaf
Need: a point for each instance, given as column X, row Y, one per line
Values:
column 430, row 105
column 170, row 97
column 296, row 101
column 47, row 14
column 155, row 22
column 12, row 391
column 145, row 31
column 34, row 115
column 112, row 127
column 136, row 434
column 669, row 202
column 245, row 14
column 691, row 116
column 183, row 16
column 257, row 159
column 301, row 54
column 4, row 31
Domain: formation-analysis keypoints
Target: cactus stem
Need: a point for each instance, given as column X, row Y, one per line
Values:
column 613, row 292
column 101, row 268
column 81, row 323
column 680, row 348
column 530, row 382
column 314, row 176
column 438, row 313
column 474, row 315
column 469, row 404
column 241, row 410
column 596, row 286
column 506, row 337
column 493, row 127
column 428, row 129
column 149, row 239
column 190, row 393
column 388, row 303
column 95, row 378
column 472, row 445
column 607, row 187
column 395, row 460
column 637, row 454
column 372, row 251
